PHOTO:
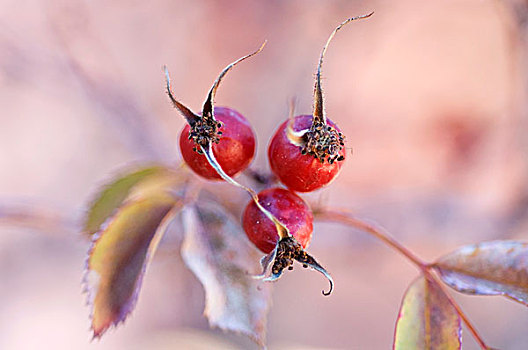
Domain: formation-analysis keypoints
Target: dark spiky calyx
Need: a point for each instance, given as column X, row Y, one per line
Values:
column 204, row 131
column 323, row 142
column 290, row 249
column 287, row 251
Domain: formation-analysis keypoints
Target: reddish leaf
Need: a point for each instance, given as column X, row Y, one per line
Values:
column 216, row 250
column 116, row 192
column 489, row 268
column 427, row 320
column 119, row 256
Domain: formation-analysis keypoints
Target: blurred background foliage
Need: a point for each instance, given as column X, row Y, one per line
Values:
column 431, row 95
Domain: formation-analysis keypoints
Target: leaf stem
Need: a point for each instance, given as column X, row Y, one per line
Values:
column 346, row 218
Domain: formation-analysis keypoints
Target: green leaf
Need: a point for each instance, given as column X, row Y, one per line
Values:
column 427, row 320
column 489, row 268
column 116, row 192
column 216, row 250
column 119, row 256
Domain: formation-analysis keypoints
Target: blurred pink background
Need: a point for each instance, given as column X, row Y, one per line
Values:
column 431, row 95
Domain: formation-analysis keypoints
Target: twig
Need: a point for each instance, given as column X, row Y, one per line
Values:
column 34, row 217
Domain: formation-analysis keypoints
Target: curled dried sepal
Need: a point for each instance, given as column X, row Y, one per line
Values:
column 322, row 140
column 319, row 112
column 189, row 115
column 282, row 257
column 205, row 129
column 208, row 106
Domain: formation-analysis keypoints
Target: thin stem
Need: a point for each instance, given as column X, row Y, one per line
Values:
column 376, row 231
column 380, row 233
column 282, row 230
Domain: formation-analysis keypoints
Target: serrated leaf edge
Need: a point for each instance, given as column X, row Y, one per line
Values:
column 91, row 291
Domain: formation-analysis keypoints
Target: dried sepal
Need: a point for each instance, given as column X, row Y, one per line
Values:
column 288, row 250
column 189, row 115
column 295, row 137
column 322, row 140
column 205, row 129
column 208, row 106
column 266, row 263
column 318, row 108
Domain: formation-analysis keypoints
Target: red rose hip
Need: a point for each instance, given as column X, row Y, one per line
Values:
column 288, row 208
column 298, row 170
column 234, row 150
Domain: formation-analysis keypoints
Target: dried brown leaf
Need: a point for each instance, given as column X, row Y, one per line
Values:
column 427, row 320
column 216, row 250
column 489, row 268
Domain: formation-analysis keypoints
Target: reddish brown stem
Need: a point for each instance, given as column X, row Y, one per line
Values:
column 380, row 233
column 376, row 231
column 36, row 217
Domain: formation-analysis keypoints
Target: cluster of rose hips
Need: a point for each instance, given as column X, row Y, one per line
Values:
column 305, row 153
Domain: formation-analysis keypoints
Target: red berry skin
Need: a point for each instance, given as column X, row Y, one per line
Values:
column 234, row 151
column 286, row 206
column 300, row 172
